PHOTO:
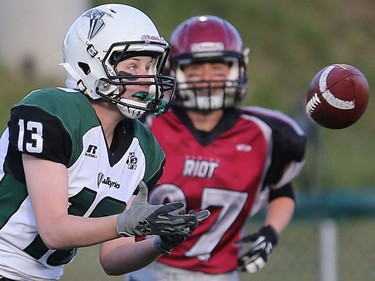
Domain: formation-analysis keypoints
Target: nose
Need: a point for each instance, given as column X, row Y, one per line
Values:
column 144, row 72
column 206, row 72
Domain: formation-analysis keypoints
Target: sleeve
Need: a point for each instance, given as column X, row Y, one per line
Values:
column 35, row 132
column 284, row 191
column 288, row 154
column 288, row 147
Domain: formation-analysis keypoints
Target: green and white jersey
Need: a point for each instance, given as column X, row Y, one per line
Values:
column 60, row 125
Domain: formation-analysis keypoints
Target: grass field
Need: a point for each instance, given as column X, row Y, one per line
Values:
column 295, row 258
column 86, row 266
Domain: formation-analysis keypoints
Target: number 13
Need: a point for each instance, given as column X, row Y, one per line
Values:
column 35, row 130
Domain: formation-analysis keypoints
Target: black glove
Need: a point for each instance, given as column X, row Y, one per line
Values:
column 145, row 219
column 165, row 243
column 262, row 243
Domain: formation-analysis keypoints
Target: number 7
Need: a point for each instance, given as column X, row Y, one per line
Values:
column 232, row 203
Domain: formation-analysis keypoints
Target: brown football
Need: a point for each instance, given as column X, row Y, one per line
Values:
column 337, row 96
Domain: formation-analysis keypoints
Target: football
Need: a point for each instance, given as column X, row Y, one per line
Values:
column 337, row 96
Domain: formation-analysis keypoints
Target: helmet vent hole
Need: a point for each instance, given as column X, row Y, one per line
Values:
column 85, row 67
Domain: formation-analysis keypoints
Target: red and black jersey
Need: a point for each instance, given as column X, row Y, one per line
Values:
column 230, row 171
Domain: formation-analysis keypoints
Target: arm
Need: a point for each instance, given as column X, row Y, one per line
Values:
column 47, row 184
column 279, row 213
column 123, row 255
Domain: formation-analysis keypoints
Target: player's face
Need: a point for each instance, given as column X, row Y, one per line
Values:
column 136, row 66
column 200, row 73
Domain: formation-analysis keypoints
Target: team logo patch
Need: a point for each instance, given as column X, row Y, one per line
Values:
column 132, row 161
column 243, row 147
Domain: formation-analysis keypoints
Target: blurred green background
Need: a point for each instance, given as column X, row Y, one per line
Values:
column 290, row 41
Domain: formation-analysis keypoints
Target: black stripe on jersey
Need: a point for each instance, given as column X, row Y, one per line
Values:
column 123, row 137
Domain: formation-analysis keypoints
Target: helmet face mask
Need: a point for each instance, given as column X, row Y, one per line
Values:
column 207, row 94
column 142, row 101
column 208, row 39
column 103, row 37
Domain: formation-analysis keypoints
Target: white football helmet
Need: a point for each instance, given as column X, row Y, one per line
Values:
column 102, row 37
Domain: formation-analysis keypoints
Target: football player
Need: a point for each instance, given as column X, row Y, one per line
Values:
column 72, row 158
column 230, row 160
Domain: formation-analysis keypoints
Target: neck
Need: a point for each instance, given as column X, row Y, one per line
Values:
column 109, row 116
column 205, row 121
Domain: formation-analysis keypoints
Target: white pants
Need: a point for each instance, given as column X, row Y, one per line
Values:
column 160, row 272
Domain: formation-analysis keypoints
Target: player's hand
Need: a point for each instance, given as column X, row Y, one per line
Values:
column 165, row 243
column 261, row 244
column 145, row 219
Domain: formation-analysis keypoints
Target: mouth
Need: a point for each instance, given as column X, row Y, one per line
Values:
column 141, row 96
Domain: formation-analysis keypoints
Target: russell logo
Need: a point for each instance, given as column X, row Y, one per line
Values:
column 91, row 151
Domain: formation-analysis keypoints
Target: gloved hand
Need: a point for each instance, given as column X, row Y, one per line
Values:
column 165, row 243
column 262, row 243
column 145, row 219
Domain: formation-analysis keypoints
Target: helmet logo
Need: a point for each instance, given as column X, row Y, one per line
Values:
column 147, row 37
column 207, row 47
column 96, row 22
